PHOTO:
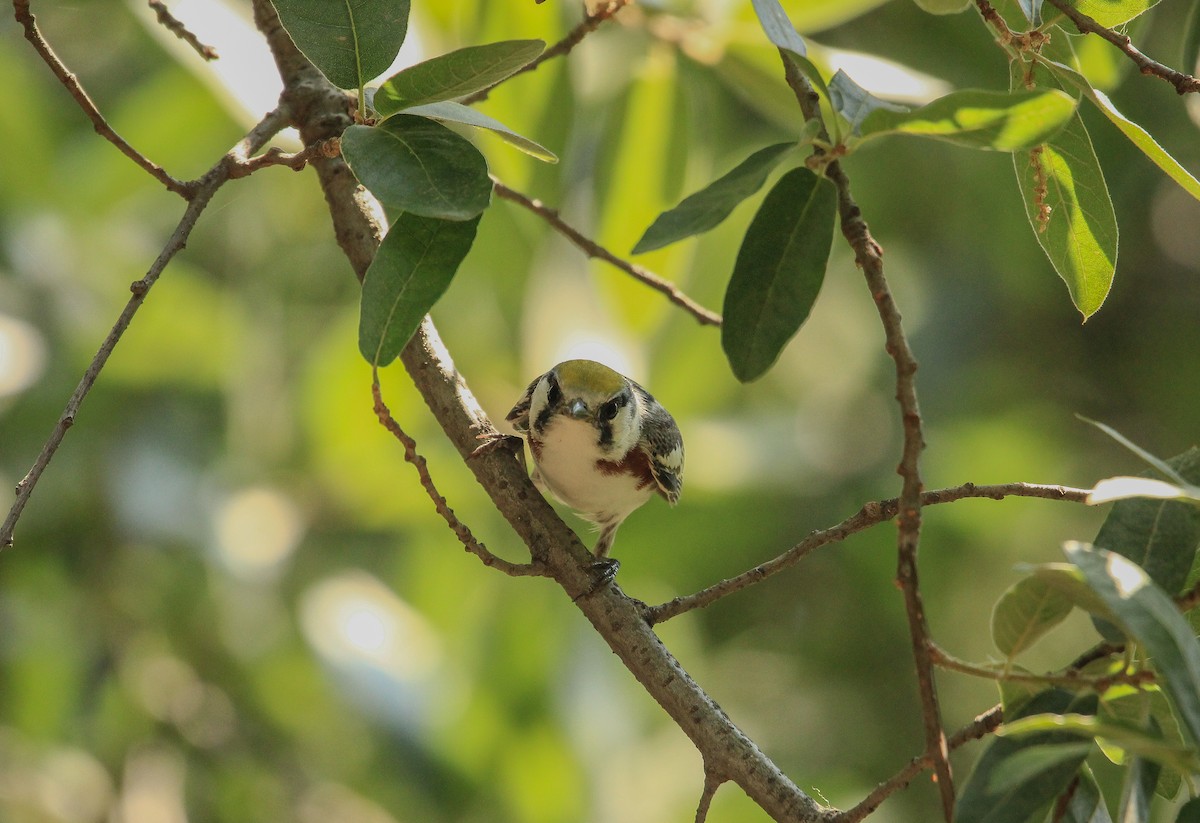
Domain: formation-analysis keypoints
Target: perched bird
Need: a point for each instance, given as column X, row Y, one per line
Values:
column 600, row 443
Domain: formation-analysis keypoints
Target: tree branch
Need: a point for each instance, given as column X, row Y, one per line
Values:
column 173, row 25
column 1183, row 83
column 615, row 617
column 460, row 529
column 562, row 48
column 594, row 250
column 869, row 256
column 25, row 17
column 233, row 164
column 871, row 514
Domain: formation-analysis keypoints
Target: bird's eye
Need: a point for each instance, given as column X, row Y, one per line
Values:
column 609, row 410
column 553, row 392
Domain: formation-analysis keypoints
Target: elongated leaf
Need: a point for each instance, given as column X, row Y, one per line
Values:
column 1138, row 791
column 699, row 212
column 779, row 270
column 1161, row 536
column 455, row 74
column 1113, row 12
column 350, row 42
column 1152, row 460
column 1138, row 742
column 1124, row 488
column 414, row 265
column 778, row 26
column 1135, row 707
column 855, row 104
column 1016, row 802
column 1029, row 764
column 447, row 111
column 1029, row 609
column 1071, row 213
column 1148, row 615
column 1070, row 581
column 1032, row 9
column 999, row 120
column 1136, row 134
column 419, row 166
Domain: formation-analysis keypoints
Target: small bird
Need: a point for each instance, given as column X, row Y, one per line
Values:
column 601, row 443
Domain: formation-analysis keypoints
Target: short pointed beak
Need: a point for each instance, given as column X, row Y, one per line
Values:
column 578, row 409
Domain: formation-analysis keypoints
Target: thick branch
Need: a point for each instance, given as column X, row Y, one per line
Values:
column 1183, row 83
column 871, row 514
column 25, row 17
column 595, row 250
column 869, row 256
column 236, row 163
column 615, row 617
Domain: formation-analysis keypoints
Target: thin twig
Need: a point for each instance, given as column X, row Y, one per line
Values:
column 173, row 25
column 562, row 48
column 871, row 514
column 869, row 256
column 460, row 529
column 712, row 782
column 1183, row 83
column 1071, row 678
column 25, row 17
column 593, row 249
column 982, row 725
column 202, row 191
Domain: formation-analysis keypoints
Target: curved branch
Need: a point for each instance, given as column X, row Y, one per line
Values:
column 871, row 514
column 594, row 250
column 1183, row 83
column 25, row 17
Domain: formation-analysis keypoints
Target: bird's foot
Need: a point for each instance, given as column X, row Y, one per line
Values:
column 602, row 572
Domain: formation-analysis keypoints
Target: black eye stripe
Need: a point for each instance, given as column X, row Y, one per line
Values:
column 609, row 410
column 553, row 392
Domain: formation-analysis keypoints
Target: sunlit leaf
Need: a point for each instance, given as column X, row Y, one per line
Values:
column 779, row 270
column 1029, row 609
column 412, row 269
column 455, row 74
column 1123, row 488
column 1135, row 741
column 451, row 112
column 1136, row 134
column 1112, row 13
column 703, row 210
column 350, row 43
column 1021, row 792
column 1004, row 121
column 416, row 165
column 1148, row 615
column 1071, row 212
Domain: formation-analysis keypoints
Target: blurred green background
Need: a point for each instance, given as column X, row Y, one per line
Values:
column 229, row 600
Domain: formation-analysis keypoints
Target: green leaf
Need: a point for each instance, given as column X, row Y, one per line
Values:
column 699, row 212
column 414, row 265
column 1162, row 466
column 1148, row 615
column 1191, row 41
column 976, row 119
column 1137, row 742
column 1136, row 134
column 1124, row 488
column 1138, row 791
column 779, row 270
column 1112, row 13
column 1070, row 581
column 778, row 26
column 981, row 801
column 942, row 6
column 1028, row 764
column 1146, row 708
column 1029, row 609
column 416, row 165
column 456, row 74
column 1071, row 213
column 350, row 42
column 1161, row 536
column 450, row 112
column 854, row 103
column 1032, row 9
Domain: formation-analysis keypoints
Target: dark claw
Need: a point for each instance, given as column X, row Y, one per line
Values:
column 602, row 572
